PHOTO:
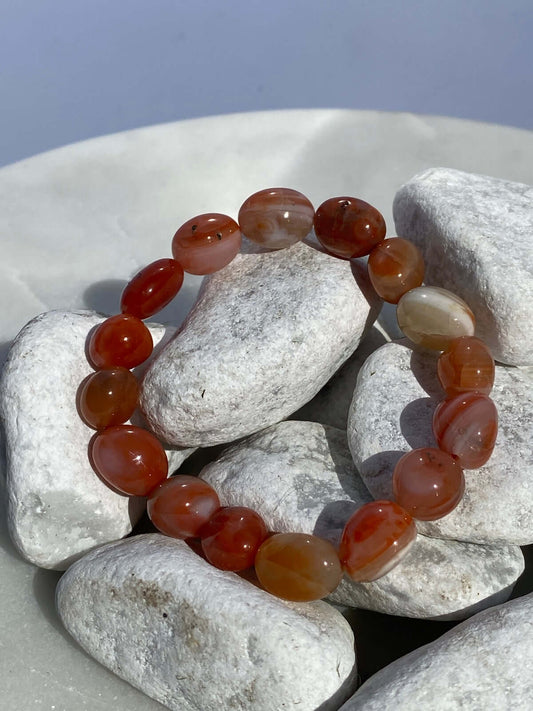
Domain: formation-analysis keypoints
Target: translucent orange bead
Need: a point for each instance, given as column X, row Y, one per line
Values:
column 348, row 227
column 206, row 243
column 466, row 365
column 108, row 397
column 130, row 459
column 121, row 340
column 232, row 536
column 152, row 288
column 298, row 566
column 466, row 426
column 395, row 266
column 375, row 539
column 428, row 483
column 276, row 218
column 181, row 505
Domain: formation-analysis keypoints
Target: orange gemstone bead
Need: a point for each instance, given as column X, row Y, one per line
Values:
column 466, row 426
column 298, row 566
column 428, row 483
column 130, row 459
column 152, row 288
column 466, row 365
column 108, row 397
column 348, row 227
column 232, row 536
column 206, row 243
column 121, row 340
column 395, row 266
column 181, row 505
column 375, row 539
column 276, row 218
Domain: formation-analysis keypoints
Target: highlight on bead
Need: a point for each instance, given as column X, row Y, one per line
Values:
column 108, row 397
column 395, row 266
column 348, row 227
column 151, row 289
column 231, row 537
column 121, row 340
column 206, row 243
column 466, row 365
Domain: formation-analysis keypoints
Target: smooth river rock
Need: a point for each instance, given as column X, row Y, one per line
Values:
column 300, row 477
column 58, row 508
column 475, row 234
column 197, row 638
column 391, row 413
column 267, row 332
column 483, row 664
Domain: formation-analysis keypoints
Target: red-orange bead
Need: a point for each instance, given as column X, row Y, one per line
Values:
column 121, row 340
column 206, row 243
column 428, row 483
column 395, row 266
column 348, row 227
column 375, row 539
column 108, row 397
column 466, row 365
column 232, row 536
column 298, row 566
column 181, row 505
column 466, row 426
column 152, row 288
column 130, row 459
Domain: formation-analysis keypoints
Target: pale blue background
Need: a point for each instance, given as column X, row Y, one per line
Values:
column 73, row 69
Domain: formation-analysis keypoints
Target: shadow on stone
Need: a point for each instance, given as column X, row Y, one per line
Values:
column 104, row 296
column 416, row 422
column 333, row 517
column 424, row 368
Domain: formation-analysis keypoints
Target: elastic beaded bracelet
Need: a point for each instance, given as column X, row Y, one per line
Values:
column 428, row 482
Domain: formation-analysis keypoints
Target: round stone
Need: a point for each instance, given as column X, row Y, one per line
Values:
column 206, row 243
column 466, row 365
column 348, row 227
column 121, row 340
column 428, row 483
column 395, row 267
column 152, row 288
column 432, row 317
column 232, row 536
column 108, row 397
column 466, row 426
column 375, row 539
column 298, row 566
column 276, row 218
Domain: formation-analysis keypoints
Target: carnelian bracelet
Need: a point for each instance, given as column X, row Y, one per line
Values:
column 428, row 482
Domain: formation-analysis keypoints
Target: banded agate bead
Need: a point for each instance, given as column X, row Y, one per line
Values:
column 152, row 288
column 206, row 243
column 466, row 365
column 298, row 566
column 348, row 227
column 276, row 218
column 121, row 340
column 375, row 539
column 108, row 397
column 232, row 536
column 432, row 317
column 466, row 426
column 129, row 459
column 395, row 266
column 428, row 483
column 181, row 505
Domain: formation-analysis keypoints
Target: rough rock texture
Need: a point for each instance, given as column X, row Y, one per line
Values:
column 57, row 507
column 475, row 234
column 391, row 413
column 199, row 639
column 267, row 333
column 483, row 664
column 300, row 477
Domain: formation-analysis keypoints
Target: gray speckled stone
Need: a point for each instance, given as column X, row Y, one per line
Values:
column 483, row 664
column 476, row 236
column 267, row 333
column 300, row 477
column 57, row 507
column 391, row 413
column 197, row 638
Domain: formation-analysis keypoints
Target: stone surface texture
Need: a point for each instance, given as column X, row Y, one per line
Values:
column 197, row 638
column 475, row 234
column 391, row 413
column 483, row 663
column 266, row 334
column 58, row 508
column 299, row 476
